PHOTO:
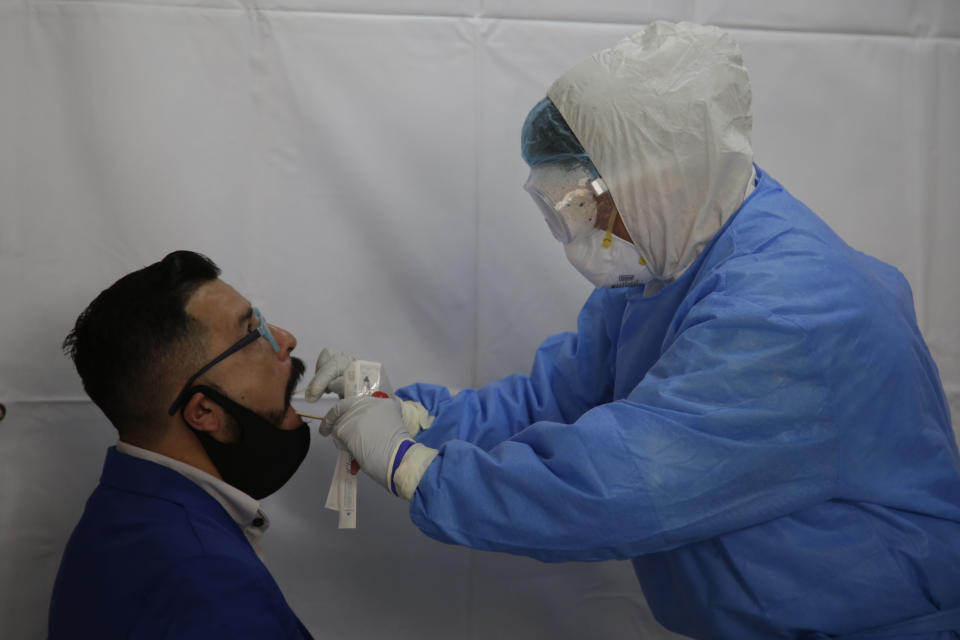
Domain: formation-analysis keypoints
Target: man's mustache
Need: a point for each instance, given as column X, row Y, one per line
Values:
column 296, row 372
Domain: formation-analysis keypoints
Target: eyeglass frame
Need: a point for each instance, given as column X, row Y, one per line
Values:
column 262, row 330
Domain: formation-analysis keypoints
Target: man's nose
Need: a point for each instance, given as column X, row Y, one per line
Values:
column 285, row 340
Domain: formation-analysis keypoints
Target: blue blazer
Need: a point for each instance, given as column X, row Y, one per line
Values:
column 155, row 556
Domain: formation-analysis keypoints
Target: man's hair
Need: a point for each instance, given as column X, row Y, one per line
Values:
column 135, row 343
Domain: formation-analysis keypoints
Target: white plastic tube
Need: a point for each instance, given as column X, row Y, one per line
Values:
column 361, row 378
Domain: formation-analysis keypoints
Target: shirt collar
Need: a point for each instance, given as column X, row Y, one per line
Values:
column 241, row 508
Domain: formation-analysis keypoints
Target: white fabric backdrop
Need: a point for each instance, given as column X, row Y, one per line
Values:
column 354, row 168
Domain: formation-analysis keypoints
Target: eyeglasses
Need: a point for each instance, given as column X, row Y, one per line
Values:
column 262, row 330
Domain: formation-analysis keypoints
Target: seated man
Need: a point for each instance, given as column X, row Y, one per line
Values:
column 168, row 543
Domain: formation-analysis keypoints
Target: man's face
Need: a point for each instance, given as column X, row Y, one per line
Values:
column 256, row 376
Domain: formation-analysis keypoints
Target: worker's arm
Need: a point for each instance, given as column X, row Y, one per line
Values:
column 571, row 373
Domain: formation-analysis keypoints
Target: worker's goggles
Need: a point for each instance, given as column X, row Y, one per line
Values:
column 567, row 194
column 261, row 330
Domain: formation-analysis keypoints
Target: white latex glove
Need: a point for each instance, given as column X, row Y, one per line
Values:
column 415, row 416
column 372, row 430
column 328, row 377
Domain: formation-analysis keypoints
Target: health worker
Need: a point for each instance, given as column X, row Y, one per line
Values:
column 747, row 409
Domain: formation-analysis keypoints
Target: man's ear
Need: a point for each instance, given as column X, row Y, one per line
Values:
column 203, row 414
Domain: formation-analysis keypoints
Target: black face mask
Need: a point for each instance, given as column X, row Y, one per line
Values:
column 264, row 457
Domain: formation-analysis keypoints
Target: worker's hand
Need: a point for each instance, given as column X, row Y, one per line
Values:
column 372, row 430
column 415, row 417
column 328, row 377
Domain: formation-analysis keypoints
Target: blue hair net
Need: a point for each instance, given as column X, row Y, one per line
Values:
column 545, row 137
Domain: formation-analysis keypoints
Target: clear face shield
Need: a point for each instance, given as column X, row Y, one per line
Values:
column 569, row 196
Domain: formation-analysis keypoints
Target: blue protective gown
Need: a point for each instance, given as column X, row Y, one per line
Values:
column 767, row 439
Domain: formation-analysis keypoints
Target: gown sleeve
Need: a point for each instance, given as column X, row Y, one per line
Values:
column 728, row 428
column 571, row 373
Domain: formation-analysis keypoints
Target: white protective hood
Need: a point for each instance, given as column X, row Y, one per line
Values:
column 664, row 115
